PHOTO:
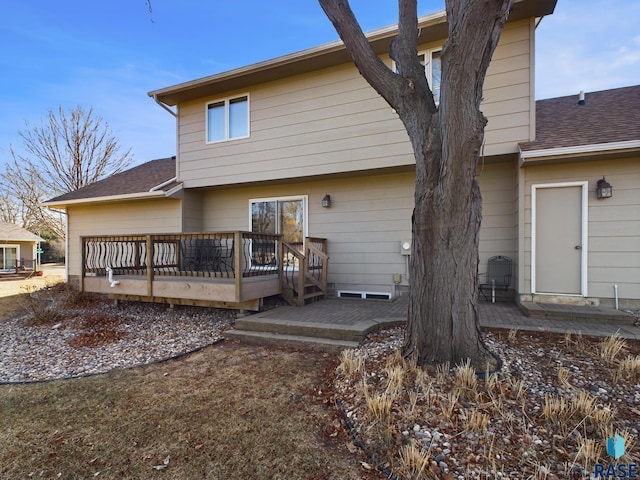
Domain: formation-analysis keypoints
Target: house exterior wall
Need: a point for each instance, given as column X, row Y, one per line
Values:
column 369, row 217
column 499, row 230
column 191, row 211
column 152, row 216
column 26, row 249
column 331, row 121
column 613, row 256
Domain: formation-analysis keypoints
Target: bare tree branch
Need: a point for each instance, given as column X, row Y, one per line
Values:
column 67, row 151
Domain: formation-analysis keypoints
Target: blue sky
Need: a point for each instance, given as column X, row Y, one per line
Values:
column 109, row 54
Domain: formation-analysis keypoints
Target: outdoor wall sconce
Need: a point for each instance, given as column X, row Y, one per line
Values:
column 603, row 189
column 326, row 201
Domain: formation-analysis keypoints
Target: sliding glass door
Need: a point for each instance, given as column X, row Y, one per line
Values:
column 285, row 216
column 9, row 257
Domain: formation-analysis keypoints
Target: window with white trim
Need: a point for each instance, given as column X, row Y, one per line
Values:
column 228, row 119
column 8, row 256
column 431, row 60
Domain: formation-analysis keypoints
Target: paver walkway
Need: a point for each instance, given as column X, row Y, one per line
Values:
column 497, row 315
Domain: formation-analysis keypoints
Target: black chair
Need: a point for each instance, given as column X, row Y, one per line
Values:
column 497, row 276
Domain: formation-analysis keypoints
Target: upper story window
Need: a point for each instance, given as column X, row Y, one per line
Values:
column 431, row 60
column 228, row 119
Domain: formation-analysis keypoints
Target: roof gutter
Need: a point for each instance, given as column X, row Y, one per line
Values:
column 578, row 150
column 108, row 198
column 163, row 184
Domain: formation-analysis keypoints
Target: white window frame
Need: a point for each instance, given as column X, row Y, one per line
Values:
column 2, row 258
column 428, row 72
column 227, row 101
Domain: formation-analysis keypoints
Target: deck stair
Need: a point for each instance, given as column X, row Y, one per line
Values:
column 296, row 334
column 329, row 325
column 304, row 278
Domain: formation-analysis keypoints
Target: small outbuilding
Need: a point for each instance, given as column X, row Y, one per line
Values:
column 18, row 248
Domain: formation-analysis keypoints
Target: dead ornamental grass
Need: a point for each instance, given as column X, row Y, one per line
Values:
column 15, row 294
column 516, row 423
column 230, row 411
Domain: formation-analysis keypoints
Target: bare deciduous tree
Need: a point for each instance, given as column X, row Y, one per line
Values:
column 446, row 141
column 66, row 152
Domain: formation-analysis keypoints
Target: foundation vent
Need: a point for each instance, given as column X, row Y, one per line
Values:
column 365, row 295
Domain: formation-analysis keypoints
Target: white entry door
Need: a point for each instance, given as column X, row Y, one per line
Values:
column 559, row 241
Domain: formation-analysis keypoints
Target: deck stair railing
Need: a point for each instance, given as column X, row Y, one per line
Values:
column 304, row 276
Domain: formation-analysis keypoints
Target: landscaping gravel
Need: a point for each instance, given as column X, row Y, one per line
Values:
column 527, row 421
column 66, row 342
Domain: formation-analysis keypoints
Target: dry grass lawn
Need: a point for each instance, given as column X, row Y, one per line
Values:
column 14, row 293
column 226, row 412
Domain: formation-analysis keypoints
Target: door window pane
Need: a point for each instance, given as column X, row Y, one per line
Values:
column 263, row 217
column 292, row 221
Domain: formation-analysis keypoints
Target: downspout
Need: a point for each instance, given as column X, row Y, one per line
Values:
column 66, row 243
column 175, row 115
column 163, row 105
column 163, row 184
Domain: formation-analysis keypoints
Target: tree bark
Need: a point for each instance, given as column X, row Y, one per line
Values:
column 447, row 139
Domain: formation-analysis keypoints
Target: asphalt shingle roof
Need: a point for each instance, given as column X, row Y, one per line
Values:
column 138, row 179
column 607, row 116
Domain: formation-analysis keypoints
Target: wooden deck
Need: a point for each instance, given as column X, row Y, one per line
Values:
column 205, row 269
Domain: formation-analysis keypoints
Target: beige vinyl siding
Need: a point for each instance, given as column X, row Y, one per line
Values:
column 368, row 218
column 332, row 121
column 316, row 124
column 499, row 231
column 154, row 216
column 508, row 99
column 613, row 224
column 191, row 211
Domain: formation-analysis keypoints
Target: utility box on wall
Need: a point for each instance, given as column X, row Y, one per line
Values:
column 405, row 247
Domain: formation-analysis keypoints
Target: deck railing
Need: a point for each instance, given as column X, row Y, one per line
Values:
column 211, row 255
column 219, row 254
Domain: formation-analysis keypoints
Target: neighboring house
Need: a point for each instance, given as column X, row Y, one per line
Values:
column 302, row 146
column 18, row 248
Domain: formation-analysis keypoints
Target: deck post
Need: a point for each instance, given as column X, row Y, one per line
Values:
column 149, row 267
column 302, row 277
column 83, row 267
column 280, row 260
column 237, row 263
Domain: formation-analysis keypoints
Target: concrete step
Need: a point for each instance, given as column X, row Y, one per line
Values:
column 294, row 341
column 587, row 313
column 351, row 333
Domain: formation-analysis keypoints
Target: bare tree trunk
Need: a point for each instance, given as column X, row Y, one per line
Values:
column 443, row 317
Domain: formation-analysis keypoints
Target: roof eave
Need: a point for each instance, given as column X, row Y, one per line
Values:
column 109, row 199
column 432, row 27
column 572, row 152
